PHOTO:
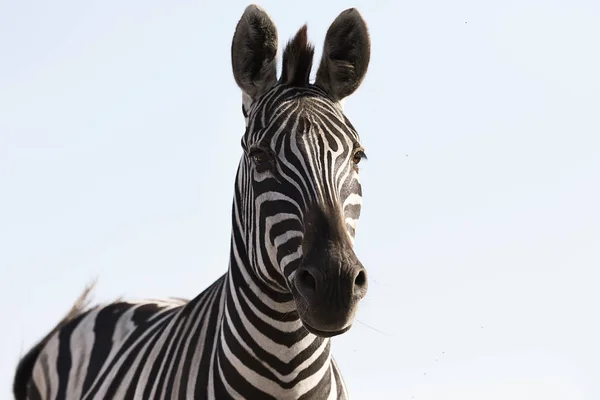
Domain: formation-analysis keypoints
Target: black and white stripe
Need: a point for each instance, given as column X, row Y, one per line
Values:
column 262, row 330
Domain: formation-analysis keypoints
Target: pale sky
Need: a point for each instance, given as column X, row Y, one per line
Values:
column 120, row 127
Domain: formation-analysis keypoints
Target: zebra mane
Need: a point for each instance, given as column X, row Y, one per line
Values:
column 297, row 60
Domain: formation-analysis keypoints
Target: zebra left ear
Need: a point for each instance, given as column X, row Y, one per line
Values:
column 254, row 52
column 346, row 55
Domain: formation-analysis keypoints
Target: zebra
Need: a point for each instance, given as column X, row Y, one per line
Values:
column 263, row 329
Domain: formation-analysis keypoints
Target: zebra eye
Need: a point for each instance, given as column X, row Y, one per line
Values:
column 358, row 156
column 261, row 159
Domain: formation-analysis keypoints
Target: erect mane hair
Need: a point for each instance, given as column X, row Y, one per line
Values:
column 297, row 60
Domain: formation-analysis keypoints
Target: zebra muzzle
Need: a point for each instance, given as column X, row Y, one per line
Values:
column 327, row 296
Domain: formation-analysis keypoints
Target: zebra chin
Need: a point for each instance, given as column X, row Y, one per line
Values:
column 324, row 321
column 325, row 334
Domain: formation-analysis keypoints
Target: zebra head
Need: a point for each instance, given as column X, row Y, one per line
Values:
column 298, row 194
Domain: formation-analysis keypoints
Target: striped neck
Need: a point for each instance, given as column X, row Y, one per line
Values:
column 261, row 338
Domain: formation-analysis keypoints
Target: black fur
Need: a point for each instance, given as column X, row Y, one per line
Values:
column 297, row 60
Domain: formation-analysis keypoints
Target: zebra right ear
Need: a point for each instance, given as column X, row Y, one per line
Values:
column 254, row 52
column 346, row 55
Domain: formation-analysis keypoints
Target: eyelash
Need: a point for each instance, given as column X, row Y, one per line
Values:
column 262, row 159
column 358, row 157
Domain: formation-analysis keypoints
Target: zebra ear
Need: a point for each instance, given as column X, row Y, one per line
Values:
column 346, row 55
column 254, row 51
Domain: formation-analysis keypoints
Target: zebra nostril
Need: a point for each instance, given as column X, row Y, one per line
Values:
column 360, row 279
column 307, row 280
column 360, row 284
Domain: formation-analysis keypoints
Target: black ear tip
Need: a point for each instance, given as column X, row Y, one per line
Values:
column 352, row 20
column 255, row 12
column 352, row 13
column 253, row 8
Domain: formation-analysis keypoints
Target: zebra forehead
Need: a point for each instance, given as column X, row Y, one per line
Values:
column 281, row 94
column 310, row 132
column 301, row 110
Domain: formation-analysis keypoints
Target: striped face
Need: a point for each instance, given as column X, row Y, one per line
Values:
column 298, row 192
column 301, row 166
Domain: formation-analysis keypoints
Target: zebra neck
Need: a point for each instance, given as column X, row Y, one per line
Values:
column 257, row 308
column 262, row 339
